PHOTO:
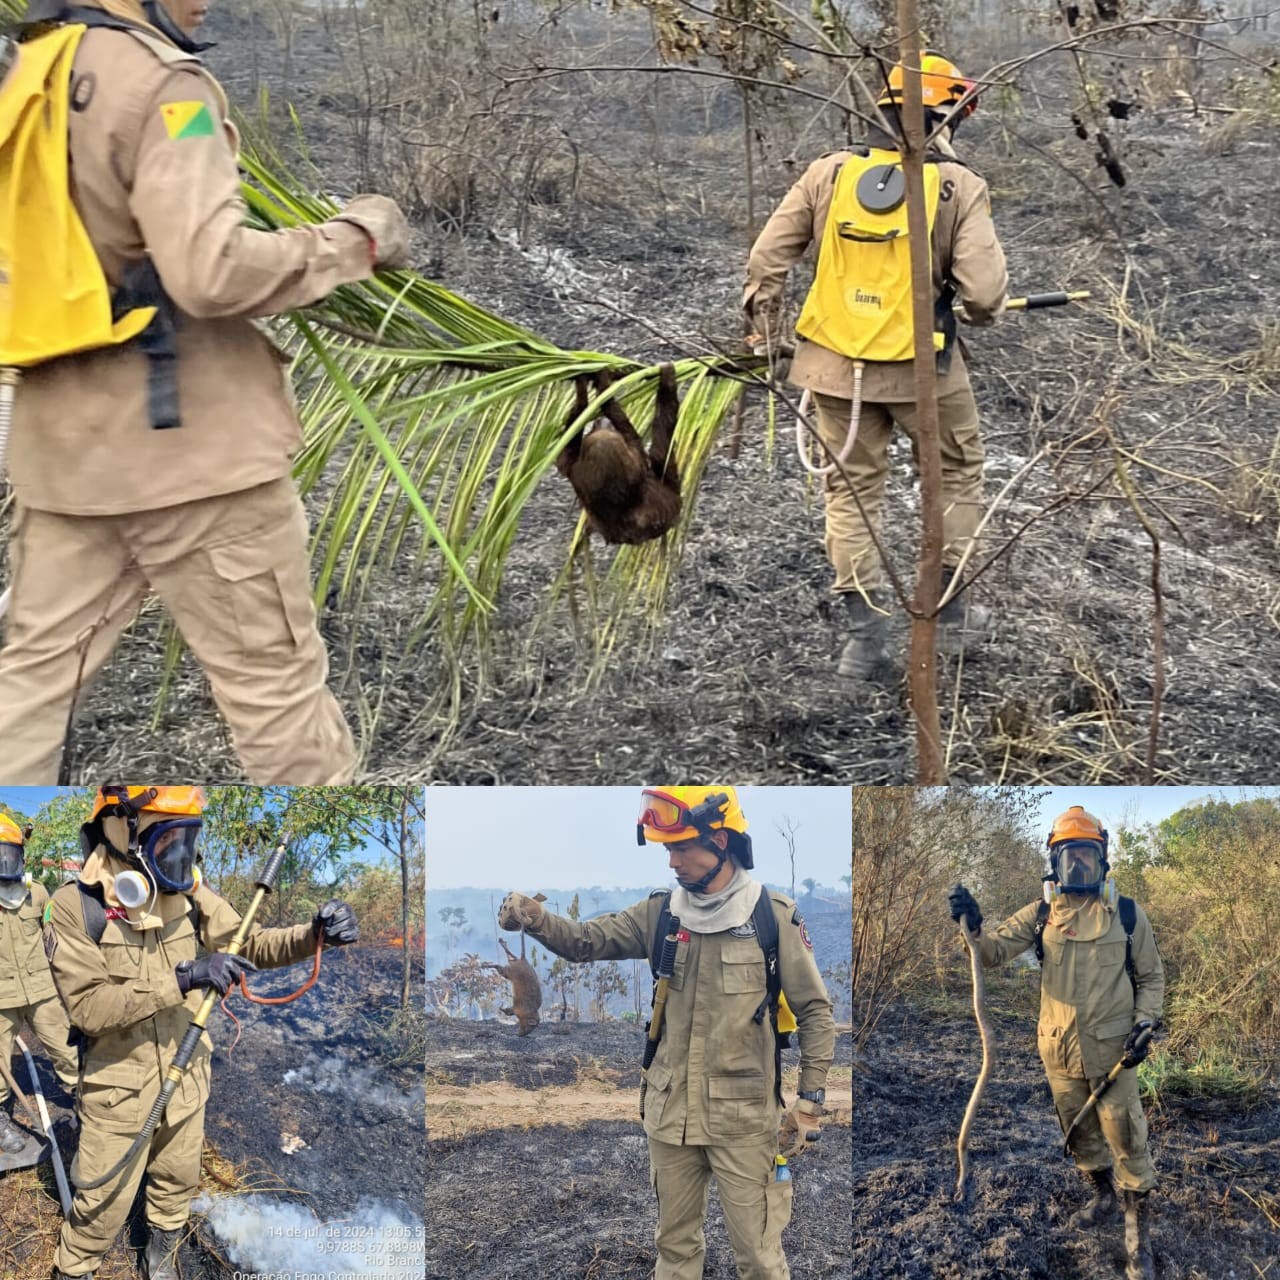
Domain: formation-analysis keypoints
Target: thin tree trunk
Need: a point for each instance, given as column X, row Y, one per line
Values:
column 735, row 435
column 923, row 663
column 404, row 900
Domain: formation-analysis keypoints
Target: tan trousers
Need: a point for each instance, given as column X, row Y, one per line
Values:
column 1113, row 1134
column 48, row 1019
column 756, row 1208
column 849, row 547
column 110, row 1118
column 233, row 573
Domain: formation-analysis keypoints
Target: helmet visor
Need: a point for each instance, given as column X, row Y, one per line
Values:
column 12, row 864
column 169, row 851
column 1079, row 865
column 662, row 812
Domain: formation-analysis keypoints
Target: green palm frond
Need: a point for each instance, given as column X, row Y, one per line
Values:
column 435, row 421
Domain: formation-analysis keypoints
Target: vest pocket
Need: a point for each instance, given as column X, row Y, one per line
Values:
column 736, row 1104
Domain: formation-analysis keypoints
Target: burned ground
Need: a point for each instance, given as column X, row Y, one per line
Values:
column 1214, row 1214
column 1172, row 370
column 317, row 1071
column 567, row 1193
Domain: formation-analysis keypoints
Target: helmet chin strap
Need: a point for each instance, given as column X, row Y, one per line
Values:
column 700, row 886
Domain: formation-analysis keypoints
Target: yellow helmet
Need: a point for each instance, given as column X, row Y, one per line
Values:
column 669, row 814
column 10, row 832
column 941, row 85
column 174, row 801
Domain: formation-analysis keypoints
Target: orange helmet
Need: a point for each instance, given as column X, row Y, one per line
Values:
column 1076, row 824
column 168, row 848
column 174, row 801
column 13, row 865
column 941, row 85
column 1078, row 852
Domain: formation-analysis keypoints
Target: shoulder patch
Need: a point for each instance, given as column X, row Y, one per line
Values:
column 48, row 912
column 186, row 120
column 50, row 939
column 798, row 920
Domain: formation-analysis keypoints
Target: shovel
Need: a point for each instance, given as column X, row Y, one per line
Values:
column 1144, row 1039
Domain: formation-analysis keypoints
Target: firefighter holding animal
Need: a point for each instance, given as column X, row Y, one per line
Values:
column 854, row 347
column 712, row 1097
column 27, row 992
column 1101, row 994
column 124, row 945
column 154, row 427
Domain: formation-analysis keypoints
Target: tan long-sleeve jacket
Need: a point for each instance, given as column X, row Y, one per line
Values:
column 122, row 993
column 965, row 250
column 24, row 972
column 1087, row 1003
column 712, row 1080
column 82, row 440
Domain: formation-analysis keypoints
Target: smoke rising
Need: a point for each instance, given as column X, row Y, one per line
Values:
column 261, row 1233
column 334, row 1074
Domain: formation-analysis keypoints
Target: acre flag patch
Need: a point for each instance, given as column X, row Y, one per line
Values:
column 187, row 120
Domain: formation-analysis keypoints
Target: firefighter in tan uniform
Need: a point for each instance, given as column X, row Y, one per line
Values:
column 131, row 993
column 1093, row 1011
column 854, row 347
column 173, row 475
column 26, row 985
column 712, row 1100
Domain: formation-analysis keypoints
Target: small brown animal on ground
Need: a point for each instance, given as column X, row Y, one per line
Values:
column 526, row 990
column 629, row 495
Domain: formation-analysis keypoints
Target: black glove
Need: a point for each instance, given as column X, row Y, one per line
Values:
column 221, row 971
column 1138, row 1045
column 963, row 903
column 336, row 923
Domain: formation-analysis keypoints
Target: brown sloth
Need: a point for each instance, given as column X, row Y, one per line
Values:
column 629, row 495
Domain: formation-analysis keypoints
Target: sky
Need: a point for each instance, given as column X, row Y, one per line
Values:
column 1127, row 806
column 574, row 837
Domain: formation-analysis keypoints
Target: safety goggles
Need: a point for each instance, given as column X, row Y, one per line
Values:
column 1079, row 864
column 12, row 863
column 169, row 852
column 663, row 813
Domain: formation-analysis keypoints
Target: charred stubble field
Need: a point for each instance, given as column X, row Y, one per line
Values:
column 1173, row 368
column 304, row 1126
column 535, row 1181
column 1218, row 1168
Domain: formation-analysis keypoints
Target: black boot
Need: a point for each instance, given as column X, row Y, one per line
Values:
column 1137, row 1237
column 159, row 1262
column 1102, row 1208
column 12, row 1139
column 865, row 653
column 962, row 623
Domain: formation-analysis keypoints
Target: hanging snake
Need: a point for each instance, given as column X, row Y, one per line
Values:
column 984, row 1028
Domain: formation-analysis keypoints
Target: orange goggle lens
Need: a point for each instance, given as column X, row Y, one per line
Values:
column 661, row 812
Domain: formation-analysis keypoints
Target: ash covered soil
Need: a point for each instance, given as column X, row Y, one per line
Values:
column 1211, row 1158
column 567, row 1193
column 1173, row 368
column 312, row 1070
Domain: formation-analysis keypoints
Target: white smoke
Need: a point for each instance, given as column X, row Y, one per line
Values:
column 275, row 1240
column 334, row 1074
